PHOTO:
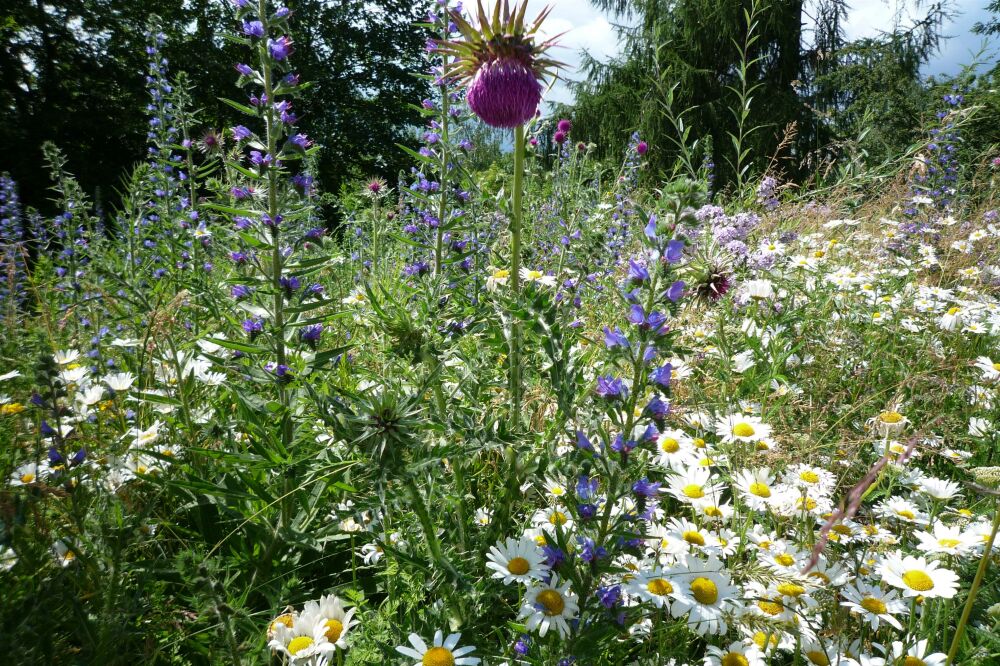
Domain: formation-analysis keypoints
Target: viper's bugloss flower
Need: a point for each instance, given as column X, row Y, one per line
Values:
column 253, row 28
column 501, row 63
column 280, row 48
column 611, row 388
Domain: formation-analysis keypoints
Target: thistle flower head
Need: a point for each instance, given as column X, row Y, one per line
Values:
column 501, row 63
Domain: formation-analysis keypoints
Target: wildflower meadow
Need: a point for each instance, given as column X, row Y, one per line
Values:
column 559, row 405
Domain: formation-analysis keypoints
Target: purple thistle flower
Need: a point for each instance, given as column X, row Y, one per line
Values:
column 504, row 93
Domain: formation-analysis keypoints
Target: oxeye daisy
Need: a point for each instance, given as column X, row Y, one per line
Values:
column 330, row 614
column 695, row 484
column 674, row 450
column 498, row 277
column 737, row 654
column 786, row 559
column 517, row 561
column 816, row 653
column 889, row 422
column 704, row 592
column 65, row 552
column 120, row 381
column 756, row 486
column 897, row 508
column 739, row 427
column 769, row 603
column 768, row 639
column 814, row 480
column 655, row 586
column 692, row 537
column 8, row 558
column 441, row 652
column 556, row 516
column 555, row 489
column 915, row 655
column 548, row 605
column 530, row 276
column 939, row 489
column 944, row 539
column 915, row 576
column 27, row 473
column 825, row 574
column 989, row 369
column 873, row 605
column 711, row 511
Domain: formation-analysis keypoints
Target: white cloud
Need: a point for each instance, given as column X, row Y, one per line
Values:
column 587, row 28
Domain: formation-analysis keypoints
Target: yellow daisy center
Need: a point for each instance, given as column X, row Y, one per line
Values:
column 558, row 518
column 890, row 417
column 807, row 503
column 954, row 311
column 27, row 477
column 705, row 591
column 996, row 366
column 761, row 640
column 821, row 576
column 785, row 560
column 760, row 489
column 734, row 659
column 285, row 619
column 693, row 490
column 809, row 476
column 438, row 656
column 334, row 628
column 298, row 644
column 948, row 543
column 699, row 443
column 501, row 274
column 535, row 275
column 873, row 605
column 694, row 538
column 910, row 660
column 906, row 513
column 670, row 445
column 791, row 589
column 551, row 601
column 818, row 657
column 518, row 566
column 841, row 528
column 918, row 580
column 771, row 607
column 743, row 430
column 659, row 587
column 713, row 512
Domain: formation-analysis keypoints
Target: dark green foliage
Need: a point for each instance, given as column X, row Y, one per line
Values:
column 84, row 88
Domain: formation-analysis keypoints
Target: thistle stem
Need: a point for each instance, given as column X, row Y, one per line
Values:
column 976, row 582
column 515, row 272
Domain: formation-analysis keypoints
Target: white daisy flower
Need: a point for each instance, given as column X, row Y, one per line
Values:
column 915, row 576
column 873, row 605
column 441, row 652
column 548, row 605
column 518, row 561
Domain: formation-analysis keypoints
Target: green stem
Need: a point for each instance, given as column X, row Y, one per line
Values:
column 976, row 582
column 443, row 185
column 515, row 273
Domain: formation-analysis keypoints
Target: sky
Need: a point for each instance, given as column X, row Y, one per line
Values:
column 590, row 29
